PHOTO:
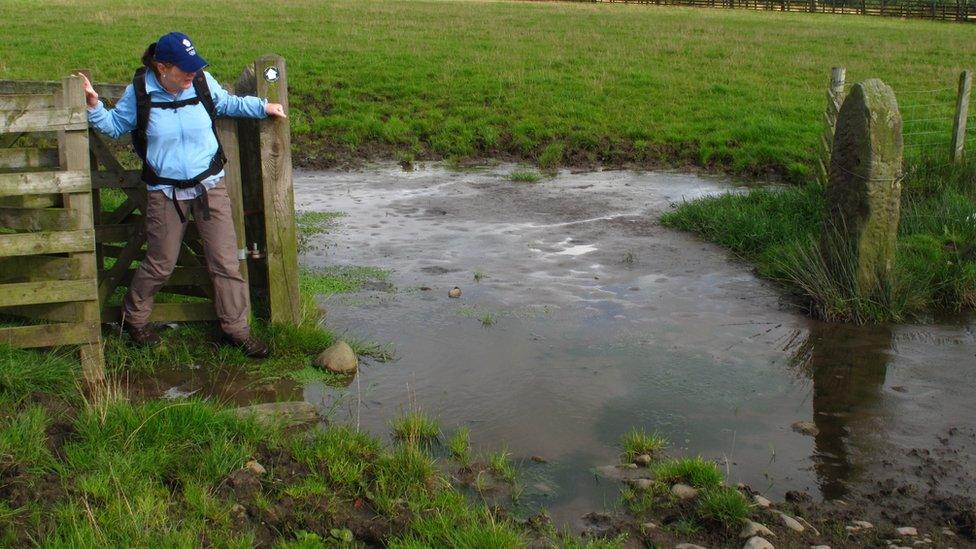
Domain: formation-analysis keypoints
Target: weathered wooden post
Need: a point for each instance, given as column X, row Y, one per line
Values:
column 962, row 111
column 864, row 190
column 835, row 96
column 265, row 148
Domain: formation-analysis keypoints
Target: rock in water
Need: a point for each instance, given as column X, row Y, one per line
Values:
column 757, row 542
column 271, row 413
column 806, row 428
column 752, row 529
column 338, row 359
column 455, row 292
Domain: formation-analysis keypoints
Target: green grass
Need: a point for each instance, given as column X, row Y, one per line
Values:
column 500, row 464
column 524, row 176
column 726, row 506
column 460, row 446
column 636, row 442
column 339, row 279
column 697, row 472
column 779, row 230
column 415, row 428
column 311, row 224
column 551, row 83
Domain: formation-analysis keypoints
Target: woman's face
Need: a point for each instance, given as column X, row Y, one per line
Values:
column 174, row 78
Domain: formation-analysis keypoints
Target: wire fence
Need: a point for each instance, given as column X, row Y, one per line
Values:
column 928, row 117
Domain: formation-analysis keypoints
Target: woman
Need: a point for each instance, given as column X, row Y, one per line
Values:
column 169, row 108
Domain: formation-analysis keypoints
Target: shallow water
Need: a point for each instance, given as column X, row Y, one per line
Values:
column 603, row 321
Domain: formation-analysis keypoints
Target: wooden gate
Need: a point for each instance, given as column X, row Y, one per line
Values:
column 48, row 274
column 69, row 257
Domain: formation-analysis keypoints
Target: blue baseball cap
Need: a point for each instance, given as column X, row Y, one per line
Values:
column 176, row 48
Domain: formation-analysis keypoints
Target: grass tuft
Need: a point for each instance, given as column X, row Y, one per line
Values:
column 524, row 176
column 415, row 428
column 696, row 471
column 501, row 465
column 636, row 442
column 460, row 446
column 726, row 506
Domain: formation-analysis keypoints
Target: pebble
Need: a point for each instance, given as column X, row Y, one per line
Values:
column 454, row 292
column 752, row 529
column 948, row 532
column 905, row 531
column 761, row 501
column 688, row 546
column 757, row 542
column 683, row 491
column 791, row 523
column 643, row 460
column 255, row 467
column 539, row 459
column 819, row 547
column 647, row 526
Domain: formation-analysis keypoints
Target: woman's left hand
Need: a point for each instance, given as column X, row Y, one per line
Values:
column 275, row 109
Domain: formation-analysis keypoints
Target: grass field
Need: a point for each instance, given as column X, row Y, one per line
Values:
column 555, row 83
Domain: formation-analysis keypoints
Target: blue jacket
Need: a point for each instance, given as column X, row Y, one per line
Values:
column 181, row 142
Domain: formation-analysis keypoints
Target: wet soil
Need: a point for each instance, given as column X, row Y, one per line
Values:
column 588, row 318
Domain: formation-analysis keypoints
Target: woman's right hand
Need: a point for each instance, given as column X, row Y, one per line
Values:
column 91, row 96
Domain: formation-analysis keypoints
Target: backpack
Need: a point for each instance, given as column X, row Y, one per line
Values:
column 144, row 104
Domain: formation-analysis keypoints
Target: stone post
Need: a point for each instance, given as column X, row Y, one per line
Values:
column 863, row 193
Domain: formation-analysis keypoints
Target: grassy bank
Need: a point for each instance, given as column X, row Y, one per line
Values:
column 552, row 83
column 779, row 229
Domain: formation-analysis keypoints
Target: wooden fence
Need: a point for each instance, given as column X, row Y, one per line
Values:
column 106, row 209
column 952, row 10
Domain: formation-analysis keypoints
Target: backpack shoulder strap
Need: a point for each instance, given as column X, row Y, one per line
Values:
column 143, row 105
column 203, row 92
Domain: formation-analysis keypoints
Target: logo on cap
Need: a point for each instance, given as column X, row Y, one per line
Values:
column 189, row 46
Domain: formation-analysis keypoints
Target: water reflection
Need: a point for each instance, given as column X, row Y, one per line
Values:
column 847, row 365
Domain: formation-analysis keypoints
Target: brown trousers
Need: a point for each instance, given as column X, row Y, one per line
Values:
column 164, row 237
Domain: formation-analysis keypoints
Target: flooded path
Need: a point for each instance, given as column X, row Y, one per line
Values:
column 589, row 318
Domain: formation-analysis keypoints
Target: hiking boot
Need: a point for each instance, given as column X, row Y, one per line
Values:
column 250, row 345
column 144, row 335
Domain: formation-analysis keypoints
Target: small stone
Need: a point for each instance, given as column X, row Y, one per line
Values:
column 688, row 546
column 543, row 488
column 752, row 529
column 338, row 359
column 906, row 531
column 255, row 467
column 740, row 485
column 757, row 542
column 791, row 523
column 629, row 465
column 539, row 459
column 644, row 484
column 862, row 524
column 806, row 428
column 948, row 532
column 454, row 292
column 643, row 460
column 819, row 547
column 648, row 526
column 619, row 472
column 684, row 492
column 761, row 501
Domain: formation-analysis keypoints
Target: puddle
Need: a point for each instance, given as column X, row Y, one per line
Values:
column 603, row 320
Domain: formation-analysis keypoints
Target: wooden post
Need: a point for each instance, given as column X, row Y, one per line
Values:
column 74, row 153
column 962, row 111
column 227, row 128
column 835, row 96
column 279, row 197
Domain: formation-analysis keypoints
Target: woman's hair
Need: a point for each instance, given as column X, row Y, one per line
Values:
column 149, row 59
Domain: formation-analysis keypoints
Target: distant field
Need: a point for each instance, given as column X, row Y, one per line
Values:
column 555, row 83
